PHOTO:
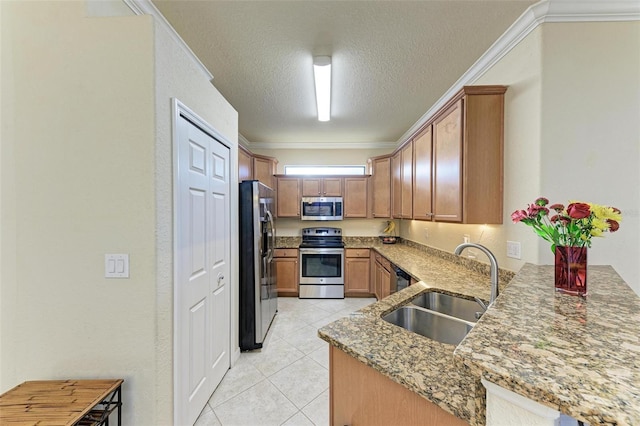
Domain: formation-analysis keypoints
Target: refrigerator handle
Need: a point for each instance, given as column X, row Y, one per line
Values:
column 272, row 243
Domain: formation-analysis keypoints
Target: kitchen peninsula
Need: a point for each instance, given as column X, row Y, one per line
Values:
column 579, row 356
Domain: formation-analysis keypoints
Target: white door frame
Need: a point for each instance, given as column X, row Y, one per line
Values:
column 180, row 109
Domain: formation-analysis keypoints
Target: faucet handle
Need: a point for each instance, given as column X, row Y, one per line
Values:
column 483, row 305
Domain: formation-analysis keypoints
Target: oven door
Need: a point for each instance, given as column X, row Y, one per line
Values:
column 322, row 266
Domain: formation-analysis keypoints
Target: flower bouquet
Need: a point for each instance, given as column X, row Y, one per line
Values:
column 569, row 230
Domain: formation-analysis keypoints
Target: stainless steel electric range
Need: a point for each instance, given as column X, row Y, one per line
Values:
column 322, row 264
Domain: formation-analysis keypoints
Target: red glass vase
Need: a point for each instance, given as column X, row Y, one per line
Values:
column 571, row 270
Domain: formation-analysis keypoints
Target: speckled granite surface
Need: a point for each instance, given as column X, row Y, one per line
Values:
column 288, row 242
column 580, row 356
column 420, row 364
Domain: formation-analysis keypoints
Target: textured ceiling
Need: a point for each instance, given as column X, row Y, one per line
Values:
column 391, row 60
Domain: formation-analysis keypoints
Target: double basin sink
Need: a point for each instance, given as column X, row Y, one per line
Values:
column 437, row 316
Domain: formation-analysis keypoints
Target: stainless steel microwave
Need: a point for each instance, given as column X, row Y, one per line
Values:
column 321, row 208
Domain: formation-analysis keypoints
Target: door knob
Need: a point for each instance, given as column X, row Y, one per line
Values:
column 220, row 277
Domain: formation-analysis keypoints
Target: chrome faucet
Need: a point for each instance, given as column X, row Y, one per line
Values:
column 494, row 270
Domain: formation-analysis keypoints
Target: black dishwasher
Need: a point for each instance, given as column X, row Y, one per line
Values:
column 399, row 279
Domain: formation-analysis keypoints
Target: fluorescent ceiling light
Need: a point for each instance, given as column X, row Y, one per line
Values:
column 322, row 76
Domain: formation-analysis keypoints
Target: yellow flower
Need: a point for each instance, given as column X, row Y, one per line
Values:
column 600, row 224
column 604, row 212
column 595, row 232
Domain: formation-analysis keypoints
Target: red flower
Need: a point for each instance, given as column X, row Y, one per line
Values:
column 556, row 207
column 578, row 210
column 613, row 225
column 541, row 201
column 518, row 215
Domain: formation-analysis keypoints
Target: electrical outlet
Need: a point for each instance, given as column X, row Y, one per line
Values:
column 513, row 249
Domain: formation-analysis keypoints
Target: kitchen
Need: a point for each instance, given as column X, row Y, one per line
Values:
column 554, row 109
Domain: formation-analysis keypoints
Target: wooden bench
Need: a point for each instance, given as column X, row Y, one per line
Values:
column 62, row 402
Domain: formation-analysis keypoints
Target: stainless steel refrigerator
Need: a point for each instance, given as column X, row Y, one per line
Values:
column 258, row 292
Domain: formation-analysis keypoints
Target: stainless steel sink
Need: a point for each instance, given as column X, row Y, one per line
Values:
column 450, row 305
column 433, row 325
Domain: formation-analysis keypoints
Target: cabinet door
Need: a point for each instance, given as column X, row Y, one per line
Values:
column 355, row 197
column 422, row 176
column 447, row 164
column 381, row 187
column 245, row 165
column 332, row 187
column 312, row 187
column 407, row 181
column 287, row 275
column 360, row 395
column 396, row 185
column 263, row 170
column 356, row 276
column 288, row 196
column 385, row 283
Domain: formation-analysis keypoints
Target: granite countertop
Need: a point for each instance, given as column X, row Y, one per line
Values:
column 580, row 356
column 422, row 365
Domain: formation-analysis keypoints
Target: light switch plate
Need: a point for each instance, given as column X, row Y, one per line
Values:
column 116, row 266
column 513, row 249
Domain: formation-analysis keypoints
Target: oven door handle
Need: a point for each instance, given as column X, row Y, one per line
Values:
column 308, row 250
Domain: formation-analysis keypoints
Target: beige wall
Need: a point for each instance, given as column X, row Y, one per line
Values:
column 591, row 129
column 178, row 77
column 87, row 170
column 79, row 142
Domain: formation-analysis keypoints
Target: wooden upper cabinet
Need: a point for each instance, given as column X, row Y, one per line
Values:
column 422, row 148
column 356, row 197
column 396, row 185
column 288, row 197
column 381, row 186
column 447, row 161
column 468, row 157
column 402, row 182
column 264, row 169
column 322, row 187
column 245, row 164
column 407, row 181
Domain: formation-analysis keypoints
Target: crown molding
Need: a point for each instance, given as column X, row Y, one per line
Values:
column 145, row 7
column 244, row 142
column 534, row 16
column 320, row 145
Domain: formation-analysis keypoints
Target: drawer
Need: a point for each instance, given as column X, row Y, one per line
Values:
column 288, row 252
column 356, row 252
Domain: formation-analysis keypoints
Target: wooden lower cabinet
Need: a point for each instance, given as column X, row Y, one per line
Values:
column 356, row 273
column 381, row 283
column 287, row 273
column 360, row 395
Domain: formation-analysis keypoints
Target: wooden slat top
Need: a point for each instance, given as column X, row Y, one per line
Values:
column 53, row 402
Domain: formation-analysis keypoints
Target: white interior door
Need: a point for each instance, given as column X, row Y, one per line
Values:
column 202, row 268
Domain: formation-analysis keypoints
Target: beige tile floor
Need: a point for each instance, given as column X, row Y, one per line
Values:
column 287, row 381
